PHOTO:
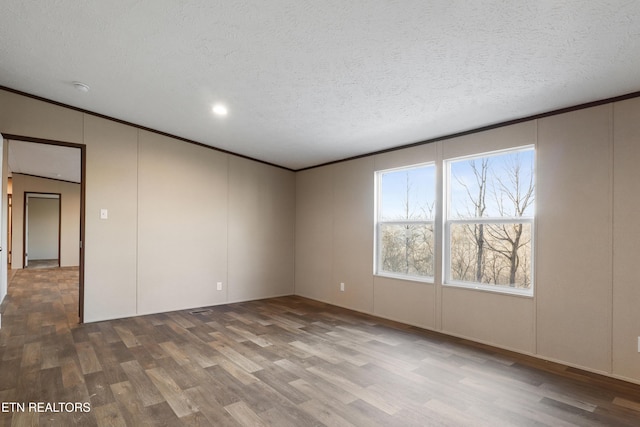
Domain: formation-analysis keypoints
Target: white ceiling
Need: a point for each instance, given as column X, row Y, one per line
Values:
column 308, row 82
column 48, row 161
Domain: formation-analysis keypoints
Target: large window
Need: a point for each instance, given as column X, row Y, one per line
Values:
column 489, row 220
column 405, row 222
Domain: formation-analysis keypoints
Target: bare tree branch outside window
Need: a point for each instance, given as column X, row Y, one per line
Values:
column 405, row 222
column 490, row 229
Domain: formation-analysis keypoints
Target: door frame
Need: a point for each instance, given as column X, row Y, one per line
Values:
column 9, row 228
column 25, row 224
column 83, row 180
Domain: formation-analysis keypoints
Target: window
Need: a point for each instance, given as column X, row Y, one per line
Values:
column 489, row 221
column 405, row 222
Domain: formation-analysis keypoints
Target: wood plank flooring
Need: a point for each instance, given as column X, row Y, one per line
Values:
column 276, row 362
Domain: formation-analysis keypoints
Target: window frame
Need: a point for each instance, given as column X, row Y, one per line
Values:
column 447, row 222
column 377, row 262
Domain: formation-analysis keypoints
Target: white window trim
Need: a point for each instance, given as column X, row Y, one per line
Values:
column 446, row 226
column 377, row 244
column 499, row 289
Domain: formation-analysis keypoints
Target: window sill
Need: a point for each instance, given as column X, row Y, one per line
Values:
column 503, row 290
column 417, row 279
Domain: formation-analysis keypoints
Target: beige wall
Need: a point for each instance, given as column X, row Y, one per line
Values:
column 4, row 224
column 314, row 234
column 574, row 250
column 584, row 310
column 626, row 239
column 334, row 234
column 185, row 217
column 111, row 245
column 173, row 208
column 70, row 221
column 182, row 225
column 261, row 230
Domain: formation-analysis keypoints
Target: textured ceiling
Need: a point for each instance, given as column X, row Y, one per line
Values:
column 308, row 82
column 48, row 161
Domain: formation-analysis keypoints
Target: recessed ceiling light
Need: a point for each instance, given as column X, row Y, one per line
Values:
column 81, row 87
column 219, row 110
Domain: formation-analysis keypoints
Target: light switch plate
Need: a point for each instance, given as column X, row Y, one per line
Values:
column 104, row 214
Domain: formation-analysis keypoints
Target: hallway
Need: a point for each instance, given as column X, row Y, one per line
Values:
column 37, row 353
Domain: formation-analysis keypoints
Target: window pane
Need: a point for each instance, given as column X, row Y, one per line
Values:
column 407, row 194
column 494, row 186
column 494, row 254
column 406, row 249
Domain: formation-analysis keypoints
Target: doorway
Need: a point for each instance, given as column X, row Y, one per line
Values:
column 9, row 225
column 49, row 164
column 42, row 230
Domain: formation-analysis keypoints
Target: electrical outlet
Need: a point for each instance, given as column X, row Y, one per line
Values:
column 638, row 344
column 219, row 286
column 341, row 287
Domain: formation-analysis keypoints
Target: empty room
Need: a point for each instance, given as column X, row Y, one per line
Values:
column 299, row 213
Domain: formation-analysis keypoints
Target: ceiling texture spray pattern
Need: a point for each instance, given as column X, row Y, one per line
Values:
column 308, row 82
column 45, row 161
